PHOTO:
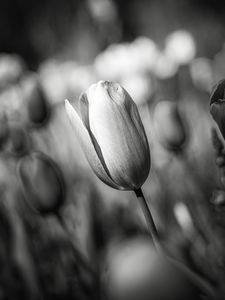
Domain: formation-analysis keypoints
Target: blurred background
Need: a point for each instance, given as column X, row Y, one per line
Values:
column 66, row 235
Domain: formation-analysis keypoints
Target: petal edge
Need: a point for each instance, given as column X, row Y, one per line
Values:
column 87, row 146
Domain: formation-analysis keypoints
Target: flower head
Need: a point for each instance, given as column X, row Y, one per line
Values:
column 41, row 182
column 217, row 105
column 180, row 46
column 169, row 125
column 111, row 132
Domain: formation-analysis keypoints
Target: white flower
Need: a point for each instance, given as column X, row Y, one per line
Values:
column 180, row 45
column 112, row 135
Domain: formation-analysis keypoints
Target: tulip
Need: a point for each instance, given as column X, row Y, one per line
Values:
column 180, row 46
column 169, row 125
column 11, row 69
column 184, row 219
column 115, row 62
column 37, row 106
column 165, row 67
column 18, row 143
column 217, row 105
column 201, row 72
column 218, row 199
column 111, row 132
column 144, row 54
column 113, row 138
column 54, row 77
column 41, row 182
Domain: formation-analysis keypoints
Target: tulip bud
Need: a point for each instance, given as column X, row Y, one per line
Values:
column 180, row 46
column 37, row 105
column 169, row 125
column 111, row 132
column 18, row 143
column 217, row 105
column 11, row 69
column 201, row 72
column 41, row 182
column 165, row 67
column 184, row 219
column 218, row 199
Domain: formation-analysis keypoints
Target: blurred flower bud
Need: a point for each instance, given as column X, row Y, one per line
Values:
column 165, row 67
column 12, row 102
column 54, row 77
column 218, row 199
column 180, row 46
column 143, row 54
column 18, row 142
column 79, row 79
column 111, row 132
column 134, row 270
column 217, row 105
column 103, row 10
column 115, row 62
column 41, row 182
column 11, row 68
column 184, row 219
column 220, row 161
column 37, row 105
column 201, row 73
column 169, row 125
column 140, row 87
column 125, row 59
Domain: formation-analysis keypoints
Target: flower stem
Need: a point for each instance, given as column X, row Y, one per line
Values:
column 195, row 278
column 79, row 256
column 148, row 217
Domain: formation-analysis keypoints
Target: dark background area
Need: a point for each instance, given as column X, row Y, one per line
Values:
column 38, row 30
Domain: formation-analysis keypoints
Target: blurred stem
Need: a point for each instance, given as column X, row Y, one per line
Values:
column 205, row 286
column 148, row 217
column 82, row 259
column 21, row 255
column 79, row 256
column 177, row 87
column 199, row 209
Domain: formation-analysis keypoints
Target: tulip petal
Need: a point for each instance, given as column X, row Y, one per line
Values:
column 117, row 127
column 217, row 110
column 86, row 143
column 84, row 115
column 135, row 116
column 83, row 109
column 218, row 92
